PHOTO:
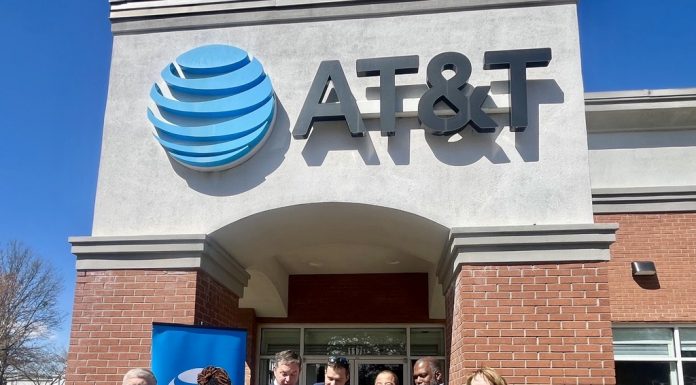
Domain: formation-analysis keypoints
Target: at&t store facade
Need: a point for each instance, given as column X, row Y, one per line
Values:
column 386, row 181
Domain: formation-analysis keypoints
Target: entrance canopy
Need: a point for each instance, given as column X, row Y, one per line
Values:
column 330, row 238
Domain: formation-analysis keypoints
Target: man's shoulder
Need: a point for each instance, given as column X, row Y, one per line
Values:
column 319, row 383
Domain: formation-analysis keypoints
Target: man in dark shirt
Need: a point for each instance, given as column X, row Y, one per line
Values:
column 337, row 372
column 426, row 371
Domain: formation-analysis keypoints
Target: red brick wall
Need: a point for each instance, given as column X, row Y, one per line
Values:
column 456, row 373
column 112, row 320
column 114, row 311
column 669, row 240
column 357, row 298
column 217, row 306
column 537, row 324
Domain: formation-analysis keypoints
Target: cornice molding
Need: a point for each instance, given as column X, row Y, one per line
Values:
column 668, row 109
column 141, row 16
column 524, row 244
column 644, row 199
column 179, row 252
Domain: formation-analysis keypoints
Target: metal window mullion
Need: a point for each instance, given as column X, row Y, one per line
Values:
column 259, row 331
column 304, row 363
column 677, row 353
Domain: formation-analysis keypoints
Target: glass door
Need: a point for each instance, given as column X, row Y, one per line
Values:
column 366, row 370
column 313, row 371
column 363, row 371
column 369, row 350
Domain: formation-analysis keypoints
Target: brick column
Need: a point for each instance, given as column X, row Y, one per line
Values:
column 537, row 324
column 112, row 320
column 218, row 306
column 124, row 284
column 530, row 302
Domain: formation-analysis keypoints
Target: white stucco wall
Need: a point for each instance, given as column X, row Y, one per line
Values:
column 643, row 159
column 540, row 176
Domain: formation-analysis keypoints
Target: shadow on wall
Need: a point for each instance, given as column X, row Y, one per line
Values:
column 461, row 149
column 647, row 282
column 544, row 91
column 249, row 174
column 334, row 136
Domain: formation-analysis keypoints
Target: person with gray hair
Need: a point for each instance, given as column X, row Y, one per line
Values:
column 139, row 376
column 427, row 371
column 287, row 366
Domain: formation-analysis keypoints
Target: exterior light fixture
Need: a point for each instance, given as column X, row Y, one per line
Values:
column 643, row 268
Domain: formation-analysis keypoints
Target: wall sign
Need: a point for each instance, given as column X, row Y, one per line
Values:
column 216, row 110
column 466, row 106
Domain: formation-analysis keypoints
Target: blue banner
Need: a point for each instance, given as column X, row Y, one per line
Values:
column 180, row 352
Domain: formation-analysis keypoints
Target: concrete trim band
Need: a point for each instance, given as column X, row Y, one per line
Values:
column 195, row 252
column 233, row 13
column 644, row 200
column 524, row 244
column 477, row 245
column 649, row 110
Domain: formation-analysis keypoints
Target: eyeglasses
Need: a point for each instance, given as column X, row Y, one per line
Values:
column 340, row 361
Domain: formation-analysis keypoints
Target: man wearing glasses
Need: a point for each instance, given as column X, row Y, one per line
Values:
column 426, row 371
column 286, row 368
column 337, row 372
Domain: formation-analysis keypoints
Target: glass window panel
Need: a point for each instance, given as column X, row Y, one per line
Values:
column 355, row 342
column 689, row 373
column 427, row 342
column 641, row 350
column 367, row 373
column 688, row 342
column 687, row 335
column 643, row 342
column 642, row 335
column 265, row 372
column 277, row 340
column 314, row 373
column 644, row 373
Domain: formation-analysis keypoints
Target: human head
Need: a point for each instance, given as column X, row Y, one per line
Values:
column 337, row 371
column 485, row 376
column 212, row 375
column 386, row 377
column 426, row 371
column 139, row 376
column 286, row 367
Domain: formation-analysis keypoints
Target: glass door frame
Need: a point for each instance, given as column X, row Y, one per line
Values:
column 318, row 359
column 355, row 362
column 396, row 360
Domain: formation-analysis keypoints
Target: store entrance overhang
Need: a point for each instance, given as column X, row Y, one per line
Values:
column 330, row 238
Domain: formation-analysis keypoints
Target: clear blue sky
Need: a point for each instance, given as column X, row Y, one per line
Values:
column 54, row 68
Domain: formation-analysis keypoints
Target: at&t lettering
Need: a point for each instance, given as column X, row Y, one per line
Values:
column 467, row 106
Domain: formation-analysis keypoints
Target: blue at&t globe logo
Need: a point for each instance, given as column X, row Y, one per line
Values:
column 216, row 109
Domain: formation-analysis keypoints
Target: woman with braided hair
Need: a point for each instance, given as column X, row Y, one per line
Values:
column 213, row 375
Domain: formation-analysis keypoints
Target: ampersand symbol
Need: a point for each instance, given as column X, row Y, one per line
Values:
column 451, row 91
